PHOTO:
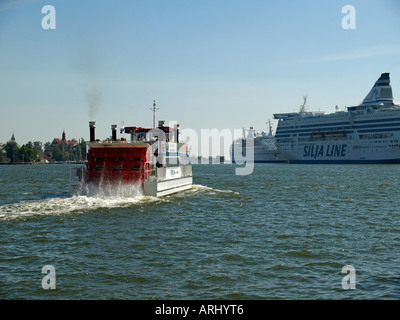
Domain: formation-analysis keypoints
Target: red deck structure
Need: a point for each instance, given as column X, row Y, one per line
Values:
column 117, row 162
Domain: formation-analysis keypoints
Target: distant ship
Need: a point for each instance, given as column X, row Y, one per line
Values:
column 263, row 146
column 367, row 133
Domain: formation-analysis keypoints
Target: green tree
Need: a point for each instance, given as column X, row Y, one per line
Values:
column 26, row 153
column 78, row 152
column 2, row 153
column 82, row 145
column 60, row 153
column 11, row 150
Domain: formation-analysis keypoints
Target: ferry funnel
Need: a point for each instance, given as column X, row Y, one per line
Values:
column 92, row 126
column 380, row 93
column 114, row 132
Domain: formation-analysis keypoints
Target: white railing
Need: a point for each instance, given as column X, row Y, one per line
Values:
column 173, row 172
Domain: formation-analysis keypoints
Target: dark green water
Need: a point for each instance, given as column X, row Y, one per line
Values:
column 284, row 232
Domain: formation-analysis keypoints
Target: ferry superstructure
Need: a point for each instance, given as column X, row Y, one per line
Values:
column 153, row 159
column 367, row 133
column 262, row 146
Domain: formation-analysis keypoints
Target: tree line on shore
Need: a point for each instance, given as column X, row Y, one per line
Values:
column 35, row 152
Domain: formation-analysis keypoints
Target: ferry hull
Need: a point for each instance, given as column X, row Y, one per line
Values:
column 164, row 188
column 367, row 133
column 75, row 187
column 261, row 147
column 346, row 151
column 260, row 154
column 75, row 180
column 267, row 157
column 384, row 161
column 150, row 188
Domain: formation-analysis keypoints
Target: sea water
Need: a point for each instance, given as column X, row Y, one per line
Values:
column 284, row 232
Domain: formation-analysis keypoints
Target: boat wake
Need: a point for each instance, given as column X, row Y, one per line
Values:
column 199, row 187
column 110, row 191
column 89, row 199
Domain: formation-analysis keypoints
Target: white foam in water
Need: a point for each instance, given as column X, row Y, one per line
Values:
column 91, row 198
column 111, row 191
column 200, row 187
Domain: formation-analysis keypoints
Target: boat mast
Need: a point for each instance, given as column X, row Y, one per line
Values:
column 154, row 109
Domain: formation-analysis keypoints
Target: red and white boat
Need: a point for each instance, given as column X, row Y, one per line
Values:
column 152, row 158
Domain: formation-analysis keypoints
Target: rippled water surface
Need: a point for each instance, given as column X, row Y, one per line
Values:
column 283, row 232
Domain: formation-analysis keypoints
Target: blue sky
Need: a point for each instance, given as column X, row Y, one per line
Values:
column 208, row 64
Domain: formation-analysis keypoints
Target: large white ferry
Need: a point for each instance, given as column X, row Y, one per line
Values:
column 262, row 146
column 367, row 133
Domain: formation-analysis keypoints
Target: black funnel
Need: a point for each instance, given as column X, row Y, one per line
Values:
column 92, row 126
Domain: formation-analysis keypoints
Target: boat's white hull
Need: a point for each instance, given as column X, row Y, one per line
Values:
column 75, row 187
column 260, row 154
column 367, row 133
column 174, row 180
column 166, row 187
column 268, row 156
column 150, row 188
column 344, row 151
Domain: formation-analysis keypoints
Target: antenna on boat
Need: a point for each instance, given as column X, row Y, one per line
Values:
column 303, row 106
column 154, row 109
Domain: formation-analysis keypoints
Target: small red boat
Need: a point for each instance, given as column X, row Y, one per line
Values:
column 152, row 158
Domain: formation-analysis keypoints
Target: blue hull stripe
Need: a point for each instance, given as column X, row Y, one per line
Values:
column 387, row 161
column 264, row 161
